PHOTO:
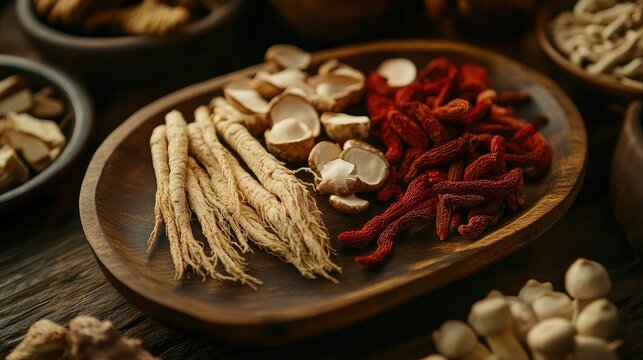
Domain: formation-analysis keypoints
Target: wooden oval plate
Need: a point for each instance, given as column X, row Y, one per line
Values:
column 117, row 212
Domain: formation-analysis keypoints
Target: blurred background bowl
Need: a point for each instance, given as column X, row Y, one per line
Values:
column 627, row 174
column 77, row 131
column 601, row 84
column 128, row 59
column 339, row 20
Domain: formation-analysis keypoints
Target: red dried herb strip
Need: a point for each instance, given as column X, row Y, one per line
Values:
column 488, row 188
column 408, row 130
column 430, row 124
column 440, row 155
column 419, row 190
column 424, row 214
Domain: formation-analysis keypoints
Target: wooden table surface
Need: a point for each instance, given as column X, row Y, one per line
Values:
column 47, row 268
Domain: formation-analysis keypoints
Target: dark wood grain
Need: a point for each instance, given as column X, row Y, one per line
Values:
column 38, row 279
column 117, row 202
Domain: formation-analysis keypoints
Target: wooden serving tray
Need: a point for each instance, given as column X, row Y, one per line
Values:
column 117, row 202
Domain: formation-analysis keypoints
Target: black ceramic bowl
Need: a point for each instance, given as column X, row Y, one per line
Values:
column 128, row 59
column 77, row 131
column 600, row 84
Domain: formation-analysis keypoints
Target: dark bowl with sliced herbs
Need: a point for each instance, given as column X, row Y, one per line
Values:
column 34, row 98
column 118, row 47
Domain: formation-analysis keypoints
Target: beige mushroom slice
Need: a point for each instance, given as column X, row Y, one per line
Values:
column 13, row 170
column 11, row 84
column 598, row 319
column 255, row 123
column 398, row 71
column 456, row 340
column 524, row 317
column 553, row 304
column 289, row 140
column 345, row 90
column 361, row 144
column 46, row 131
column 551, row 339
column 533, row 289
column 350, row 204
column 290, row 105
column 592, row 348
column 270, row 85
column 288, row 56
column 19, row 101
column 241, row 94
column 321, row 154
column 341, row 127
column 45, row 106
column 491, row 318
column 370, row 168
column 338, row 178
column 585, row 281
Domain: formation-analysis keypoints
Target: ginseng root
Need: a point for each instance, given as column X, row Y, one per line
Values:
column 291, row 192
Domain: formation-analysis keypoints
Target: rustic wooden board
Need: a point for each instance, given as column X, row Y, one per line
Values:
column 117, row 199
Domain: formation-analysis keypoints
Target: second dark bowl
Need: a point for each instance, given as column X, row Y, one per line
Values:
column 123, row 60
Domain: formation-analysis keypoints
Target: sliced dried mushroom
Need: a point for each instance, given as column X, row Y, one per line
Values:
column 270, row 85
column 290, row 105
column 287, row 56
column 241, row 94
column 16, row 102
column 321, row 154
column 361, row 144
column 371, row 168
column 341, row 127
column 290, row 140
column 345, row 90
column 46, row 106
column 11, row 84
column 397, row 71
column 338, row 178
column 13, row 170
column 350, row 204
column 39, row 141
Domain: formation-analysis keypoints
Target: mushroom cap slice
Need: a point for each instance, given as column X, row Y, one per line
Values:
column 241, row 94
column 270, row 85
column 17, row 102
column 338, row 178
column 362, row 144
column 290, row 105
column 533, row 289
column 345, row 90
column 370, row 168
column 46, row 131
column 341, row 127
column 321, row 154
column 289, row 140
column 397, row 71
column 13, row 170
column 350, row 204
column 287, row 56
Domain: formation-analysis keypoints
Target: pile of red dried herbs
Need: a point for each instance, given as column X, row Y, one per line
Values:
column 458, row 155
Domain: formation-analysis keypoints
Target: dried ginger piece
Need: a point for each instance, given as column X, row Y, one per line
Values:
column 92, row 339
column 45, row 340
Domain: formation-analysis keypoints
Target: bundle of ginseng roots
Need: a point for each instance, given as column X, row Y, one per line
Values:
column 458, row 155
column 195, row 173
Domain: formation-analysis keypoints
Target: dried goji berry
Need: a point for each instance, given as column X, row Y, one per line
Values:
column 412, row 92
column 451, row 111
column 392, row 142
column 376, row 83
column 513, row 97
column 472, row 80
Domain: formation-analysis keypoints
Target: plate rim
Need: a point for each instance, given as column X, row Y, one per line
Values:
column 566, row 191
